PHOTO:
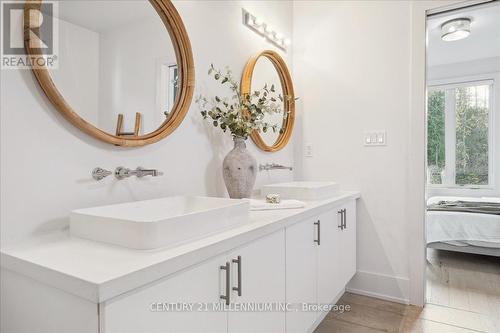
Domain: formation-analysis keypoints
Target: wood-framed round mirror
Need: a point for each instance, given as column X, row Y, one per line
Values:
column 124, row 71
column 268, row 67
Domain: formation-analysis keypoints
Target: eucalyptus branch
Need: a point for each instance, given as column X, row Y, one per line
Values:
column 241, row 114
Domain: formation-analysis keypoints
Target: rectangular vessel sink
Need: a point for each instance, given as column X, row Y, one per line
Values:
column 158, row 223
column 302, row 190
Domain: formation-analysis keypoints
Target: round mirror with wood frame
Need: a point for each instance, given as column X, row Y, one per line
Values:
column 288, row 98
column 184, row 79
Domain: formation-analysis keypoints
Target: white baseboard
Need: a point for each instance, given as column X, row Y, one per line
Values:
column 386, row 287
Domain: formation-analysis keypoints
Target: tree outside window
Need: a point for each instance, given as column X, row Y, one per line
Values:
column 458, row 134
column 435, row 136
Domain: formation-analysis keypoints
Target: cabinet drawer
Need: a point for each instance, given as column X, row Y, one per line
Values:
column 301, row 266
column 259, row 270
column 349, row 242
column 142, row 310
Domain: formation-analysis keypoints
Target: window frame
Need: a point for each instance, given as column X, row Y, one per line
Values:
column 491, row 79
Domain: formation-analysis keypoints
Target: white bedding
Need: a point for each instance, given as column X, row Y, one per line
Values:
column 463, row 228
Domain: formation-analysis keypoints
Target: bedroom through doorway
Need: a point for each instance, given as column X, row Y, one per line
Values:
column 463, row 163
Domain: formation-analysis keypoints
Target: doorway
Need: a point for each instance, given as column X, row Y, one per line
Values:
column 462, row 218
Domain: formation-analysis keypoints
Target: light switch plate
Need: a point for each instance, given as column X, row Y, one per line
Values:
column 375, row 138
column 308, row 150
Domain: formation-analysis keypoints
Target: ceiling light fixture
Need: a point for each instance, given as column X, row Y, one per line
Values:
column 455, row 29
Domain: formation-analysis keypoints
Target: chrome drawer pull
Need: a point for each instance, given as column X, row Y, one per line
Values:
column 227, row 297
column 238, row 289
column 318, row 223
column 345, row 218
column 341, row 212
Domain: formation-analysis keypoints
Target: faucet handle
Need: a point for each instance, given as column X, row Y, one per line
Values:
column 100, row 173
column 123, row 172
column 141, row 172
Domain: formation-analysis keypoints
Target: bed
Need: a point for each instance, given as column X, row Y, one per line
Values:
column 464, row 224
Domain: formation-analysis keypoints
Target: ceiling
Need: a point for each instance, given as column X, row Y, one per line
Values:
column 483, row 42
column 103, row 15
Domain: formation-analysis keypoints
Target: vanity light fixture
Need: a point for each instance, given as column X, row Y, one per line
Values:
column 455, row 29
column 266, row 30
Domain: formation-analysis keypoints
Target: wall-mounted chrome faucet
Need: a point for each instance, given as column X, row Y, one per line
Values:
column 273, row 166
column 122, row 173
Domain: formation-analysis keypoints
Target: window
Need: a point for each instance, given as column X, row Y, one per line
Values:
column 459, row 134
column 167, row 87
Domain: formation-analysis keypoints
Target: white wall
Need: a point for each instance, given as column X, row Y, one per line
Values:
column 78, row 48
column 129, row 74
column 352, row 68
column 462, row 69
column 46, row 162
column 360, row 66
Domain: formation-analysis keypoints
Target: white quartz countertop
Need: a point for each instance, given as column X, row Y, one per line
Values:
column 99, row 271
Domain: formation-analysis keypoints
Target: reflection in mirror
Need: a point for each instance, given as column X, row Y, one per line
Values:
column 265, row 73
column 269, row 67
column 116, row 58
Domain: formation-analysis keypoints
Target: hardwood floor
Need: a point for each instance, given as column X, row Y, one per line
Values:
column 463, row 296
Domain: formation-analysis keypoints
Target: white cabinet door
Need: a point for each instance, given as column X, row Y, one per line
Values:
column 141, row 311
column 301, row 266
column 262, row 282
column 330, row 271
column 349, row 242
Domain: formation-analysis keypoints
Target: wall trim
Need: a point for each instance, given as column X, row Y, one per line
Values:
column 382, row 286
column 378, row 296
column 464, row 4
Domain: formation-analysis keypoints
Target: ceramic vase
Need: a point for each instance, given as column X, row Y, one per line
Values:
column 239, row 170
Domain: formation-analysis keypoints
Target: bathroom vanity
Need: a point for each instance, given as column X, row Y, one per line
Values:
column 253, row 277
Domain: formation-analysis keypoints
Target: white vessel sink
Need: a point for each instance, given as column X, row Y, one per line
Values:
column 158, row 223
column 302, row 190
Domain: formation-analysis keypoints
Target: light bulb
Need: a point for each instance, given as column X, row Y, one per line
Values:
column 256, row 21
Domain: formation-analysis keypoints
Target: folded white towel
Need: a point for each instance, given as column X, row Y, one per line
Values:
column 284, row 204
